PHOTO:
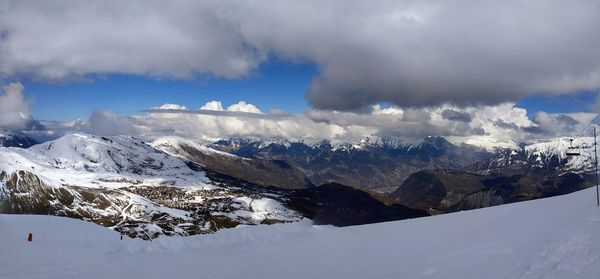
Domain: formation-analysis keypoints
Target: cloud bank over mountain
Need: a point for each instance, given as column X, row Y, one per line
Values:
column 408, row 53
column 504, row 124
column 14, row 108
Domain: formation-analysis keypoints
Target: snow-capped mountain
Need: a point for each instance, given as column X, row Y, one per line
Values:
column 128, row 185
column 15, row 139
column 556, row 150
column 533, row 171
column 87, row 160
column 262, row 172
column 122, row 182
column 550, row 155
column 379, row 164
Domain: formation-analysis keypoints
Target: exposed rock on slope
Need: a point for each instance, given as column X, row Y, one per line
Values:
column 267, row 173
column 101, row 179
column 138, row 211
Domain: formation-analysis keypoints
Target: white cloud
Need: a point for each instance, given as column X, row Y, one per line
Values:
column 171, row 106
column 559, row 124
column 14, row 108
column 406, row 52
column 244, row 107
column 213, row 105
column 502, row 125
column 389, row 110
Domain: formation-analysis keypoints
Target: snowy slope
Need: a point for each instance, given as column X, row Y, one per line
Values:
column 91, row 161
column 556, row 237
column 126, row 184
column 557, row 149
column 172, row 145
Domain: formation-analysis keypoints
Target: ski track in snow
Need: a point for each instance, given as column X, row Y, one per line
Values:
column 556, row 237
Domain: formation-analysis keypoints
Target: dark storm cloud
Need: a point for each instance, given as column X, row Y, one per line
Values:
column 409, row 53
column 504, row 125
column 455, row 115
column 415, row 115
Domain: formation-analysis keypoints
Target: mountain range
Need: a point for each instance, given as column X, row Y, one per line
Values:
column 177, row 186
column 129, row 185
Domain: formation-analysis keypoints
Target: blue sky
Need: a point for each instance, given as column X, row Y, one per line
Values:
column 276, row 85
column 580, row 102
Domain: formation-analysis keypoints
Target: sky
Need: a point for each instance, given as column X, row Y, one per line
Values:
column 502, row 72
column 275, row 85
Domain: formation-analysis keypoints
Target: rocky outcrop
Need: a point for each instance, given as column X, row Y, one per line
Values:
column 145, row 212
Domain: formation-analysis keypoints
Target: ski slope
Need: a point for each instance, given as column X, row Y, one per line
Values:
column 556, row 237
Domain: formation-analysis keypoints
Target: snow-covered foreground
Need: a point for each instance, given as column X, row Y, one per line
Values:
column 551, row 238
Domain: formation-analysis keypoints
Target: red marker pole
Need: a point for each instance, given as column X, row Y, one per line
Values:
column 30, row 237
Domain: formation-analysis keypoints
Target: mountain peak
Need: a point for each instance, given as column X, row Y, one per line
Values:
column 15, row 139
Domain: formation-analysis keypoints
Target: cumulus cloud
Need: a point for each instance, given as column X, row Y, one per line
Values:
column 171, row 106
column 244, row 107
column 14, row 108
column 242, row 119
column 559, row 124
column 409, row 53
column 215, row 108
column 213, row 105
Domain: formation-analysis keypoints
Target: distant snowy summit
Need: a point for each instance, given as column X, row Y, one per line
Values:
column 550, row 155
column 15, row 139
column 478, row 143
column 373, row 164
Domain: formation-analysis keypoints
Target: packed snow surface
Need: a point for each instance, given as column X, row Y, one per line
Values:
column 556, row 237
